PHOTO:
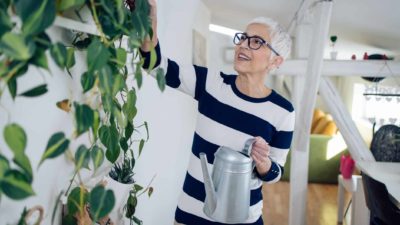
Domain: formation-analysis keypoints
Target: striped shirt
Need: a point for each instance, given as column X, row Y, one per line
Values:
column 226, row 117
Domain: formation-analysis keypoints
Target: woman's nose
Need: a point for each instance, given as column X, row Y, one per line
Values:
column 244, row 44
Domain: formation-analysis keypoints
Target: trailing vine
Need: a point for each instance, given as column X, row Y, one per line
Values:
column 108, row 123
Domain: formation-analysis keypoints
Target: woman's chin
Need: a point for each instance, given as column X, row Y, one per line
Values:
column 239, row 68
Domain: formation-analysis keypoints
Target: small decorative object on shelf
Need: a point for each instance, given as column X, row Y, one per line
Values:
column 353, row 57
column 333, row 42
column 365, row 56
column 346, row 166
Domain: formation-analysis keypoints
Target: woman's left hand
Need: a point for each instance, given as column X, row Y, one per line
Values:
column 260, row 153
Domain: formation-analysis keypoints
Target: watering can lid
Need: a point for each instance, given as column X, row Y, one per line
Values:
column 232, row 156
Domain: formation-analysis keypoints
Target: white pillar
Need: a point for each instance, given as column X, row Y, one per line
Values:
column 299, row 166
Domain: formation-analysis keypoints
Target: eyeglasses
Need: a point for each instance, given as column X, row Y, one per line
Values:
column 254, row 42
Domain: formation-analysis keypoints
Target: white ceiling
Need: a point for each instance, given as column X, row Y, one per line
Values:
column 375, row 23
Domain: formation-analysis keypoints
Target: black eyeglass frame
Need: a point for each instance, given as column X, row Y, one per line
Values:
column 263, row 42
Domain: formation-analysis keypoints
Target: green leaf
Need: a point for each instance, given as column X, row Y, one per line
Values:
column 82, row 158
column 118, row 84
column 87, row 81
column 109, row 138
column 36, row 15
column 153, row 59
column 5, row 4
column 131, row 206
column 121, row 56
column 17, row 46
column 150, row 192
column 64, row 5
column 40, row 59
column 4, row 165
column 5, row 22
column 108, row 103
column 106, row 80
column 129, row 107
column 137, row 220
column 15, row 186
column 120, row 118
column 138, row 188
column 76, row 200
column 15, row 137
column 36, row 91
column 12, row 86
column 147, row 130
column 59, row 54
column 97, row 155
column 23, row 162
column 141, row 144
column 56, row 146
column 139, row 76
column 70, row 61
column 101, row 202
column 96, row 123
column 97, row 55
column 84, row 117
column 141, row 20
column 123, row 143
column 161, row 79
column 43, row 41
column 128, row 130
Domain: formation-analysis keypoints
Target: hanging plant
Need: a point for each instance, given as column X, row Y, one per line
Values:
column 109, row 125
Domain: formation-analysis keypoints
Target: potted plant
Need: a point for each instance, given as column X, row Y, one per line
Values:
column 121, row 180
column 334, row 53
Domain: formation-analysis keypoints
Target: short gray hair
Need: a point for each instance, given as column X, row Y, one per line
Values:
column 280, row 39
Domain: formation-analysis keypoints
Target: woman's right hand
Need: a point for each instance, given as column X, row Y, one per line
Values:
column 150, row 43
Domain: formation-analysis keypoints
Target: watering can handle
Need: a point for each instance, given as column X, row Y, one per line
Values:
column 248, row 145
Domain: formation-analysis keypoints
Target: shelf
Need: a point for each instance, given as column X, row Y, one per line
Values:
column 365, row 68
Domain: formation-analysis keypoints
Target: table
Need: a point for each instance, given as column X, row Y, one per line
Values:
column 359, row 210
column 387, row 173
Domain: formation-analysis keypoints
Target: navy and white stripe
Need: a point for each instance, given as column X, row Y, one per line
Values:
column 226, row 117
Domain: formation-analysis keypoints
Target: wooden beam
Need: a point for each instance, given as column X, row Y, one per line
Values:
column 301, row 142
column 365, row 68
column 354, row 141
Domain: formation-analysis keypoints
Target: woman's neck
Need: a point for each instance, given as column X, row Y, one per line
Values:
column 252, row 86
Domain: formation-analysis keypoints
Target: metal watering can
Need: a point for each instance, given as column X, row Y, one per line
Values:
column 228, row 188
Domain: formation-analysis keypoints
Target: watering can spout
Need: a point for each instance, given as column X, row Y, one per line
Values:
column 211, row 196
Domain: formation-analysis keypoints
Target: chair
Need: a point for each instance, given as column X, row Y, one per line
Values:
column 383, row 210
column 385, row 147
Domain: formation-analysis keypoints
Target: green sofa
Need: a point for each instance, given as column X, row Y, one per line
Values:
column 324, row 161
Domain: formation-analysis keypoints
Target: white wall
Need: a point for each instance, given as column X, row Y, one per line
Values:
column 171, row 116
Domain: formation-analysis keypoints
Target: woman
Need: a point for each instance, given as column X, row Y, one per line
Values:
column 233, row 109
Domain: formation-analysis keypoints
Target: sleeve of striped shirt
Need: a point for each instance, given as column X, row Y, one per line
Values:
column 279, row 148
column 190, row 79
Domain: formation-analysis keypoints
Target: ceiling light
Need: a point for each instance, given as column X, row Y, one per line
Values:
column 223, row 30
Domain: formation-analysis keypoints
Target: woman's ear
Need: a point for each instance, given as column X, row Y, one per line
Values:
column 276, row 62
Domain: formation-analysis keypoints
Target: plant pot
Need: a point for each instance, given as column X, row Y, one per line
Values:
column 334, row 55
column 121, row 192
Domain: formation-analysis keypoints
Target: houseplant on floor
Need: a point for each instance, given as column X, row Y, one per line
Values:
column 104, row 114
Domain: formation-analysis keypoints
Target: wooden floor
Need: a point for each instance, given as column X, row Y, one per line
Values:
column 321, row 204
